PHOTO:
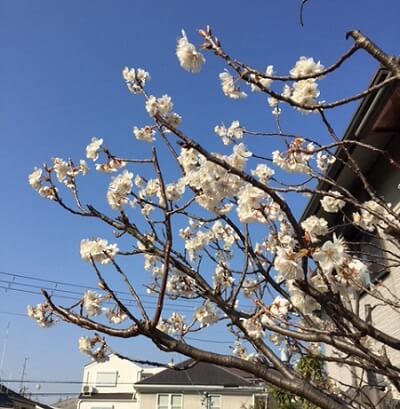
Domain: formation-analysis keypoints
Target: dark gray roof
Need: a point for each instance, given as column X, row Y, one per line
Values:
column 201, row 373
column 8, row 397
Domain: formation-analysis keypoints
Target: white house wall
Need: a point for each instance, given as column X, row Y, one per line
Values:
column 127, row 374
column 112, row 404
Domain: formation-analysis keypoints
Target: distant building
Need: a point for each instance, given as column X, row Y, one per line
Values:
column 119, row 383
column 70, row 403
column 111, row 384
column 202, row 386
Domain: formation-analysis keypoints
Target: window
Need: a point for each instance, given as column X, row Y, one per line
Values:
column 260, row 401
column 169, row 401
column 106, row 378
column 372, row 251
column 214, row 402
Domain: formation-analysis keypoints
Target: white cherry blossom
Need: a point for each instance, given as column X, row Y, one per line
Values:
column 92, row 150
column 229, row 88
column 306, row 66
column 228, row 135
column 288, row 264
column 119, row 190
column 145, row 134
column 331, row 255
column 99, row 250
column 35, row 179
column 332, row 203
column 189, row 58
column 265, row 82
column 92, row 302
column 315, row 227
column 135, row 79
column 207, row 314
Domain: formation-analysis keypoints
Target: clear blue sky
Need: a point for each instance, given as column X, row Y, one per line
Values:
column 61, row 84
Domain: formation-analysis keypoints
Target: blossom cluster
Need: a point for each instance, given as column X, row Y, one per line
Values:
column 189, row 58
column 42, row 314
column 233, row 133
column 95, row 347
column 373, row 215
column 98, row 250
column 305, row 91
column 135, row 79
column 65, row 172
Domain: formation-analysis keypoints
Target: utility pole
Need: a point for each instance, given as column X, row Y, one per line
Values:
column 21, row 385
column 3, row 354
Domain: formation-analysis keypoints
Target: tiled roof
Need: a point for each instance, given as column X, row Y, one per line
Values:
column 201, row 373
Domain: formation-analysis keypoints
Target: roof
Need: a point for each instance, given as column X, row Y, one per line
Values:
column 70, row 403
column 201, row 373
column 8, row 397
column 375, row 123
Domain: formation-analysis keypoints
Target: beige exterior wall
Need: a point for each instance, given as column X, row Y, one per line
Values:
column 194, row 400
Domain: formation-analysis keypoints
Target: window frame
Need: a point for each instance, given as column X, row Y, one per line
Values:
column 264, row 395
column 109, row 384
column 170, row 395
column 214, row 395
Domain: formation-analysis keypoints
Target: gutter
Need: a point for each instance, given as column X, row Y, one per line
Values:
column 200, row 387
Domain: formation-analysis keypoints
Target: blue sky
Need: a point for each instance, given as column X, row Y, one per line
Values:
column 61, row 84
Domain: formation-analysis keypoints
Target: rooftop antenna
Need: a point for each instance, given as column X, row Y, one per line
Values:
column 3, row 354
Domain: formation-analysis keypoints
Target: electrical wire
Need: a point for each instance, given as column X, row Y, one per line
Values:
column 211, row 341
column 74, row 285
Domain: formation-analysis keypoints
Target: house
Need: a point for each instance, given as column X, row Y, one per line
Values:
column 111, row 384
column 201, row 386
column 376, row 123
column 10, row 399
column 70, row 403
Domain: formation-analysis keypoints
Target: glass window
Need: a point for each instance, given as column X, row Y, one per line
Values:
column 169, row 401
column 214, row 401
column 260, row 401
column 176, row 401
column 106, row 378
column 163, row 401
column 372, row 251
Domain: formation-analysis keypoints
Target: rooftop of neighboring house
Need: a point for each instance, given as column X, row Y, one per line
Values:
column 201, row 374
column 70, row 403
column 12, row 399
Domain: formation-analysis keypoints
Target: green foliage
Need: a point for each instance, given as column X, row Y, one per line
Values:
column 311, row 368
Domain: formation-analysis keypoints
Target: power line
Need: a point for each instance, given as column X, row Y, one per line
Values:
column 10, row 285
column 65, row 284
column 183, row 303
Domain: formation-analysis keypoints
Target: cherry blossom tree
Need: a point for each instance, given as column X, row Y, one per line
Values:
column 220, row 231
